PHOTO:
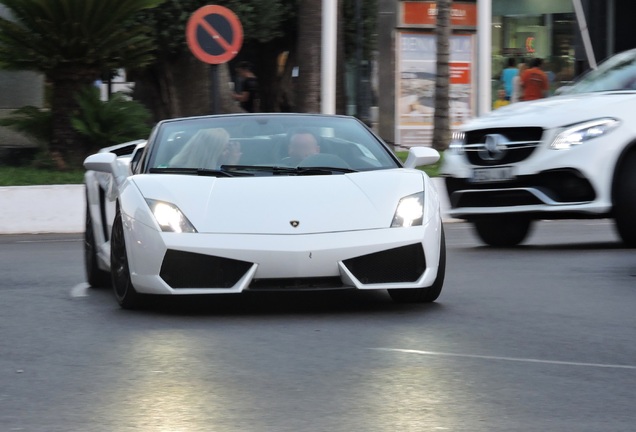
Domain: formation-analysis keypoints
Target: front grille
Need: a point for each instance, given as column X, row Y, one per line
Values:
column 402, row 264
column 519, row 144
column 191, row 270
column 496, row 198
column 315, row 283
column 560, row 186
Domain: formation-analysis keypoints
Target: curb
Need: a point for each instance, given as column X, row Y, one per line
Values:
column 42, row 209
column 59, row 209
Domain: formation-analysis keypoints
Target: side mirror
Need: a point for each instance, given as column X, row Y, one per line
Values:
column 102, row 162
column 108, row 163
column 420, row 156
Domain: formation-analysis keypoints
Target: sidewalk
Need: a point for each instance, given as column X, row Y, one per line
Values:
column 61, row 208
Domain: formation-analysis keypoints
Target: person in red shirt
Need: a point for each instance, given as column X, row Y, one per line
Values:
column 534, row 81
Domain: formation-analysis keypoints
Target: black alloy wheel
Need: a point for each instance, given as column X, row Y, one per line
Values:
column 503, row 230
column 625, row 201
column 123, row 288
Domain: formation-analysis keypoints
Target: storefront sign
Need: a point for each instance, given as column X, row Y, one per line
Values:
column 424, row 14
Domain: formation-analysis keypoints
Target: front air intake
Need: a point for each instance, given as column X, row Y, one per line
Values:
column 402, row 264
column 192, row 270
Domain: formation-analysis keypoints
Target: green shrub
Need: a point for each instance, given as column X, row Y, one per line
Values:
column 101, row 123
column 28, row 176
column 31, row 121
column 112, row 122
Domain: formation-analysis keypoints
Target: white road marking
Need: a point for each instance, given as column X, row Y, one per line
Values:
column 514, row 359
column 80, row 290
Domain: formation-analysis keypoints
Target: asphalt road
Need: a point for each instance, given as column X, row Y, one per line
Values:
column 538, row 338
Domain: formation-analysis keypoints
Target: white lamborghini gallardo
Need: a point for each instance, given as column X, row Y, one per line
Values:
column 231, row 203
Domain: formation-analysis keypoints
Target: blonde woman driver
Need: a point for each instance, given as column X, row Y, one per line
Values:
column 204, row 150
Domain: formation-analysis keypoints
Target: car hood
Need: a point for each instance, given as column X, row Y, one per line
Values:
column 272, row 205
column 557, row 111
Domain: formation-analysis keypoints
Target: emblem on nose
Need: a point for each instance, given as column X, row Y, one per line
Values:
column 494, row 147
column 294, row 223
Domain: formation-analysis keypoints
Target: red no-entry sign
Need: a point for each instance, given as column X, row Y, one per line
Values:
column 214, row 34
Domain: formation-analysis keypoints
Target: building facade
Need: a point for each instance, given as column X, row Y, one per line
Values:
column 18, row 89
column 520, row 29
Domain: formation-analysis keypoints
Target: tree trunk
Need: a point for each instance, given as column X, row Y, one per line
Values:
column 181, row 87
column 441, row 120
column 341, row 71
column 309, row 61
column 67, row 148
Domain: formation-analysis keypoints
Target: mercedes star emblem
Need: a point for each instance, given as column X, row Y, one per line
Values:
column 494, row 148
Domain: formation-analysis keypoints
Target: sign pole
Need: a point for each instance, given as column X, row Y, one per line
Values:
column 214, row 90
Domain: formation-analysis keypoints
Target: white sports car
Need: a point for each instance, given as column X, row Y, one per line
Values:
column 231, row 203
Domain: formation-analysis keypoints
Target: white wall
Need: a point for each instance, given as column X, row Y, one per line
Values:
column 42, row 209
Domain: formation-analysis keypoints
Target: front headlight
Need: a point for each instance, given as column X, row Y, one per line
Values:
column 458, row 141
column 578, row 134
column 410, row 211
column 169, row 217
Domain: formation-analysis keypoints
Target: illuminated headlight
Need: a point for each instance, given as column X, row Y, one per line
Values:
column 578, row 134
column 458, row 141
column 410, row 211
column 169, row 217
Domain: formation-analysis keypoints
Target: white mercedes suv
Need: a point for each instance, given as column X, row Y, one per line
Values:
column 570, row 156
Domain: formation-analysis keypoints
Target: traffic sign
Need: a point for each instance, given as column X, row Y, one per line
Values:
column 214, row 34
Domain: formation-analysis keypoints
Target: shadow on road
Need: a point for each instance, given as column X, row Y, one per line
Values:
column 277, row 303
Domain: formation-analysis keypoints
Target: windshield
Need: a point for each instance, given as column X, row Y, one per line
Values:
column 617, row 73
column 263, row 143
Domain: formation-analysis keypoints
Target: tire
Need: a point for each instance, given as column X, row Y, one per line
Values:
column 429, row 294
column 503, row 231
column 123, row 288
column 95, row 276
column 625, row 201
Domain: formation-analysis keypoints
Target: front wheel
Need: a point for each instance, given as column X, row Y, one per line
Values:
column 625, row 202
column 503, row 231
column 123, row 288
column 425, row 295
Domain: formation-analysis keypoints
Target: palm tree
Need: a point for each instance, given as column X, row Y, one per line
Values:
column 441, row 120
column 309, row 47
column 71, row 42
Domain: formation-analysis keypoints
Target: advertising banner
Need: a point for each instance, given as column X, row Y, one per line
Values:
column 415, row 93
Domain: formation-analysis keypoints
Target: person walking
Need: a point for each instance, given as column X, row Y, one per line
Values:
column 517, row 89
column 534, row 81
column 507, row 77
column 247, row 88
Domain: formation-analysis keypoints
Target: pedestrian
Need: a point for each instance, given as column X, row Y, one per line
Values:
column 501, row 100
column 247, row 87
column 507, row 77
column 534, row 81
column 517, row 89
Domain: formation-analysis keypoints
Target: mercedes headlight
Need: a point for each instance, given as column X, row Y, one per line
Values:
column 578, row 134
column 169, row 217
column 458, row 141
column 410, row 211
